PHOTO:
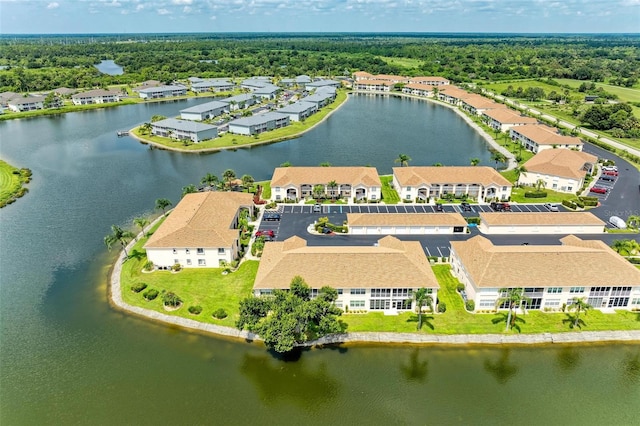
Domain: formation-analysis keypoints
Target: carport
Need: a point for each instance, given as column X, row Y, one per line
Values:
column 540, row 223
column 406, row 223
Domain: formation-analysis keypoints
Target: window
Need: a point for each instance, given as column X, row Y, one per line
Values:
column 379, row 304
column 202, row 262
column 221, row 250
column 635, row 301
column 618, row 302
column 620, row 291
column 487, row 303
column 357, row 303
column 187, row 251
column 357, row 291
column 188, row 261
column 176, row 261
column 175, row 251
column 277, row 189
column 554, row 290
column 266, row 292
column 380, row 292
column 552, row 303
column 576, row 290
column 339, row 291
column 408, row 196
column 200, row 251
column 599, row 291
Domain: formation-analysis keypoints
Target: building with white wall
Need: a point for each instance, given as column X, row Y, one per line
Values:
column 299, row 111
column 503, row 119
column 184, row 130
column 204, row 111
column 406, row 223
column 538, row 137
column 523, row 223
column 162, row 91
column 98, row 96
column 259, row 123
column 562, row 170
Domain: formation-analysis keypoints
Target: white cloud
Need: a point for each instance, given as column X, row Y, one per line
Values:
column 186, row 9
column 163, row 12
column 213, row 18
column 53, row 5
column 180, row 2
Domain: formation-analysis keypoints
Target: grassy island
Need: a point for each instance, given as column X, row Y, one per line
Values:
column 232, row 141
column 12, row 181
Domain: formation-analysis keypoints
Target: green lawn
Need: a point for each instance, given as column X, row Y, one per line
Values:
column 625, row 94
column 457, row 321
column 389, row 195
column 266, row 189
column 517, row 195
column 403, row 62
column 12, row 180
column 205, row 287
column 231, row 141
column 499, row 87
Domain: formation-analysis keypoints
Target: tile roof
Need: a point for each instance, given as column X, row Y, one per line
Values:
column 95, row 93
column 543, row 218
column 454, row 92
column 258, row 119
column 201, row 220
column 167, row 88
column 419, row 175
column 574, row 263
column 244, row 97
column 420, row 86
column 480, row 102
column 545, row 135
column 405, row 219
column 297, row 107
column 283, row 176
column 21, row 100
column 184, row 125
column 376, row 82
column 508, row 116
column 390, row 77
column 405, row 265
column 207, row 106
column 560, row 162
column 425, row 79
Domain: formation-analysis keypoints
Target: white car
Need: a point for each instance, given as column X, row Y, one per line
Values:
column 551, row 207
column 609, row 169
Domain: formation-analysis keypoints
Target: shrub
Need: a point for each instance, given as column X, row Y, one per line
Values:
column 460, row 287
column 138, row 287
column 569, row 204
column 470, row 305
column 149, row 266
column 442, row 307
column 474, row 220
column 195, row 310
column 536, row 194
column 150, row 294
column 432, row 258
column 177, row 267
column 171, row 299
column 220, row 313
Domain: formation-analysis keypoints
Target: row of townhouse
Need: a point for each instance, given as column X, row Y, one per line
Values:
column 175, row 128
column 202, row 232
column 164, row 91
column 362, row 76
column 98, row 96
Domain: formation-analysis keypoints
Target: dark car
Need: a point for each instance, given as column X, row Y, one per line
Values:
column 498, row 207
column 598, row 190
column 607, row 178
column 439, row 208
column 271, row 216
column 506, row 207
column 465, row 207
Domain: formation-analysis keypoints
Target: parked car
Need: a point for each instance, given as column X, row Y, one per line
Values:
column 265, row 233
column 506, row 207
column 551, row 207
column 610, row 172
column 609, row 168
column 317, row 208
column 607, row 178
column 271, row 216
column 618, row 222
column 500, row 207
column 598, row 190
column 439, row 208
column 465, row 207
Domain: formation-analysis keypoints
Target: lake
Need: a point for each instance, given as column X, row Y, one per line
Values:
column 109, row 67
column 67, row 357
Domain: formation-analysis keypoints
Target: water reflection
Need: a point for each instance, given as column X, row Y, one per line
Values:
column 416, row 369
column 568, row 358
column 631, row 368
column 279, row 382
column 501, row 369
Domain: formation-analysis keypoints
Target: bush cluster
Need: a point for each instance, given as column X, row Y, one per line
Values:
column 138, row 287
column 442, row 307
column 470, row 305
column 569, row 204
column 150, row 294
column 195, row 310
column 473, row 220
column 535, row 194
column 220, row 313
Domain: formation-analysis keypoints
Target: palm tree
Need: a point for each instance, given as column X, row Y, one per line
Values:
column 318, row 190
column 540, row 183
column 162, row 204
column 145, row 128
column 498, row 157
column 332, row 185
column 247, row 180
column 286, row 164
column 403, row 159
column 141, row 222
column 228, row 176
column 518, row 171
column 514, row 297
column 475, row 161
column 189, row 189
column 118, row 235
column 209, row 179
column 421, row 297
column 579, row 305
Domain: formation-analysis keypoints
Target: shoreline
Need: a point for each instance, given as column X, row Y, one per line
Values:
column 235, row 147
column 114, row 291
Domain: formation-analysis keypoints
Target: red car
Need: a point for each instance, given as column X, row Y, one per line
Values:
column 266, row 233
column 598, row 190
column 610, row 173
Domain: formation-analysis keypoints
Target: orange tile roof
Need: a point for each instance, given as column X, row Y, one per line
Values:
column 390, row 264
column 406, row 219
column 419, row 175
column 201, row 220
column 283, row 176
column 560, row 162
column 574, row 263
column 508, row 116
column 545, row 135
column 543, row 218
column 480, row 102
column 420, row 86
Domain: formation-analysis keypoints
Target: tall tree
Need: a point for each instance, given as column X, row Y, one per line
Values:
column 189, row 189
column 332, row 185
column 141, row 222
column 228, row 176
column 518, row 171
column 209, row 179
column 118, row 235
column 579, row 305
column 421, row 298
column 403, row 159
column 513, row 297
column 163, row 204
column 247, row 180
column 498, row 157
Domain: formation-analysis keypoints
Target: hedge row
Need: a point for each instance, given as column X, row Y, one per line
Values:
column 537, row 194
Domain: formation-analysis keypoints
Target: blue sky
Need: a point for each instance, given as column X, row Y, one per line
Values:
column 144, row 16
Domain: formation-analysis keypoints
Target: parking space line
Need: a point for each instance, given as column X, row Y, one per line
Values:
column 427, row 250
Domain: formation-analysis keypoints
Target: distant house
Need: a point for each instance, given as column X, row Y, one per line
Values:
column 503, row 119
column 202, row 231
column 362, row 75
column 374, row 85
column 298, row 111
column 480, row 183
column 418, row 89
column 320, row 98
column 562, row 170
column 453, row 95
column 5, row 97
column 431, row 80
column 351, row 270
column 147, row 84
column 552, row 276
column 494, row 223
column 162, row 91
column 64, row 91
column 590, row 98
column 477, row 105
column 26, row 103
column 268, row 91
column 258, row 123
column 204, row 111
column 322, row 83
column 538, row 137
column 291, row 183
column 242, row 101
column 255, row 83
column 183, row 130
column 193, row 80
column 300, row 80
column 98, row 96
column 212, row 86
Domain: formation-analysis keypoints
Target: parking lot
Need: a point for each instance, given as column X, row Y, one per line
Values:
column 399, row 208
column 606, row 184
